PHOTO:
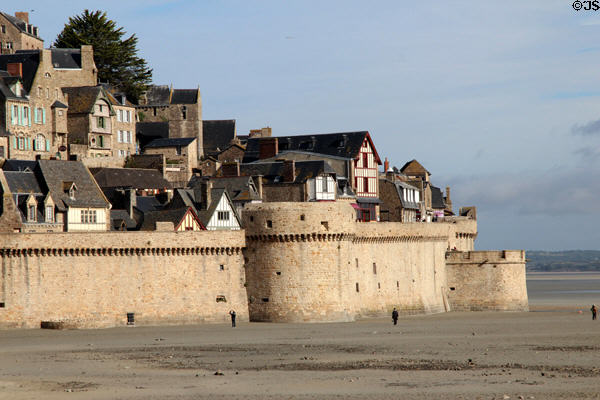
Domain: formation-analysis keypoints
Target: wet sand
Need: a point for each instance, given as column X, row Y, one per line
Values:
column 478, row 355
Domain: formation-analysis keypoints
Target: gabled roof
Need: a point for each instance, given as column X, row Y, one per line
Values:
column 414, row 168
column 118, row 217
column 19, row 165
column 19, row 24
column 147, row 203
column 58, row 104
column 217, row 134
column 162, row 95
column 136, row 178
column 21, row 182
column 272, row 172
column 239, row 188
column 83, row 98
column 192, row 198
column 56, row 173
column 175, row 216
column 5, row 90
column 170, row 142
column 343, row 144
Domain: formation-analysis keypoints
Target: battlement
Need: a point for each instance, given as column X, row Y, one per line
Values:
column 489, row 256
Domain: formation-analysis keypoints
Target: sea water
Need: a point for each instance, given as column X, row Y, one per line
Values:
column 563, row 290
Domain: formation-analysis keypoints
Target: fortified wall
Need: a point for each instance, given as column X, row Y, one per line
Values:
column 487, row 280
column 313, row 262
column 93, row 280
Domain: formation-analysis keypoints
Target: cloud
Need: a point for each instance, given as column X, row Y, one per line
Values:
column 588, row 153
column 589, row 129
column 553, row 194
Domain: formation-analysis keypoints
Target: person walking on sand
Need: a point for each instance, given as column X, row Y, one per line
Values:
column 594, row 310
column 232, row 313
column 395, row 316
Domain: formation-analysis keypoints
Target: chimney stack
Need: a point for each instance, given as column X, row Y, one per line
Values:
column 205, row 189
column 15, row 69
column 22, row 15
column 386, row 165
column 231, row 169
column 268, row 147
column 289, row 171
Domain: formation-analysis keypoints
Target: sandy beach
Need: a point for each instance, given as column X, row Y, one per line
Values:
column 478, row 355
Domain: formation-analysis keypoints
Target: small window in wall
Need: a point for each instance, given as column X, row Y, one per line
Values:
column 452, row 288
column 356, row 259
column 223, row 215
column 278, row 272
column 251, row 219
column 183, row 112
column 398, row 284
column 2, row 305
column 378, row 285
column 221, row 299
column 357, row 287
column 3, row 28
column 265, row 299
column 302, row 217
column 325, row 225
column 375, row 268
column 269, row 223
column 221, row 267
column 130, row 318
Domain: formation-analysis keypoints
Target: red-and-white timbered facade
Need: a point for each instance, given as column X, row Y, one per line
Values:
column 366, row 182
column 189, row 222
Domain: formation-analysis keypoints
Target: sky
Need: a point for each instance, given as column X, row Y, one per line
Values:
column 497, row 99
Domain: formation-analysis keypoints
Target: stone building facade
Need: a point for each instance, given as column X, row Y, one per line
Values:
column 44, row 73
column 16, row 33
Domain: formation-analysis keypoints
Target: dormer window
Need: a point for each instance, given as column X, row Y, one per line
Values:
column 183, row 112
column 31, row 213
column 70, row 189
column 49, row 214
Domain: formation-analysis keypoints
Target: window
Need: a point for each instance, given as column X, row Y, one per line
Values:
column 269, row 223
column 127, row 116
column 40, row 143
column 25, row 115
column 223, row 215
column 120, row 137
column 365, row 184
column 38, row 115
column 3, row 28
column 357, row 287
column 101, row 141
column 221, row 299
column 324, row 182
column 31, row 213
column 39, row 91
column 21, row 143
column 101, row 123
column 49, row 214
column 47, row 93
column 100, row 107
column 375, row 268
column 128, row 136
column 365, row 160
column 2, row 152
column 88, row 216
column 183, row 112
column 221, row 267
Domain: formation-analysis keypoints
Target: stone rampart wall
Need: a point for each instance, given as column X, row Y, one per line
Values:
column 487, row 280
column 314, row 262
column 93, row 280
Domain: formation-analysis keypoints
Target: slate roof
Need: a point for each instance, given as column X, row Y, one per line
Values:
column 17, row 22
column 56, row 173
column 83, row 98
column 66, row 58
column 130, row 178
column 437, row 198
column 414, row 164
column 5, row 90
column 146, row 132
column 117, row 217
column 174, row 215
column 158, row 95
column 29, row 59
column 147, row 203
column 170, row 142
column 21, row 182
column 405, row 203
column 239, row 188
column 184, row 96
column 343, row 144
column 58, row 104
column 272, row 172
column 217, row 134
column 19, row 165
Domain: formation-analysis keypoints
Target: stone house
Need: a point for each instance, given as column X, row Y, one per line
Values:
column 241, row 189
column 124, row 129
column 180, row 158
column 352, row 155
column 51, row 196
column 180, row 108
column 43, row 74
column 434, row 204
column 16, row 33
column 400, row 201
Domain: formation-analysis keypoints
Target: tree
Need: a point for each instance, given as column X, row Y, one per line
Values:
column 116, row 58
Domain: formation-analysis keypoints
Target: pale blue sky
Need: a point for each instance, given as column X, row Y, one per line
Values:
column 498, row 99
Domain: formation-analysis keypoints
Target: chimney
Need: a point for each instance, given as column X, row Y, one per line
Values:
column 259, row 185
column 448, row 195
column 15, row 69
column 87, row 62
column 22, row 15
column 386, row 165
column 130, row 201
column 268, row 147
column 231, row 169
column 289, row 171
column 204, row 191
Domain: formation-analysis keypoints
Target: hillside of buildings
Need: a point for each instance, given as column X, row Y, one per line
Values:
column 563, row 261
